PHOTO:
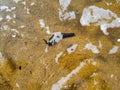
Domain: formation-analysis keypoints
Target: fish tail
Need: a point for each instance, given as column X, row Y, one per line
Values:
column 66, row 35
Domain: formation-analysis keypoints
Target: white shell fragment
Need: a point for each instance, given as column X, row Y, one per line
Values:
column 42, row 23
column 43, row 26
column 17, row 85
column 33, row 3
column 69, row 15
column 47, row 30
column 118, row 40
column 64, row 4
column 58, row 56
column 92, row 47
column 100, row 44
column 46, row 49
column 112, row 75
column 114, row 50
column 100, row 17
column 5, row 27
column 15, row 32
column 72, row 48
column 8, row 17
column 63, row 15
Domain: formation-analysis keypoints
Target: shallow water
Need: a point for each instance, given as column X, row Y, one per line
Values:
column 24, row 64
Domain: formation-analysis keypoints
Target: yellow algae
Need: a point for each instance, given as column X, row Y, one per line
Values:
column 5, row 86
column 35, row 86
column 8, row 73
column 88, row 69
column 71, row 61
column 96, row 83
column 84, row 73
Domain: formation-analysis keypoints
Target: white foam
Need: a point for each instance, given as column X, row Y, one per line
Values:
column 63, row 80
column 72, row 48
column 99, row 17
column 58, row 56
column 114, row 50
column 92, row 47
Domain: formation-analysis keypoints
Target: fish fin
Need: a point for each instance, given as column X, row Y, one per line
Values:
column 45, row 41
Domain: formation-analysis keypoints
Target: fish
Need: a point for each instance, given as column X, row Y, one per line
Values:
column 57, row 37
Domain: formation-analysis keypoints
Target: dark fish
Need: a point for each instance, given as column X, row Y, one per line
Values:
column 56, row 37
